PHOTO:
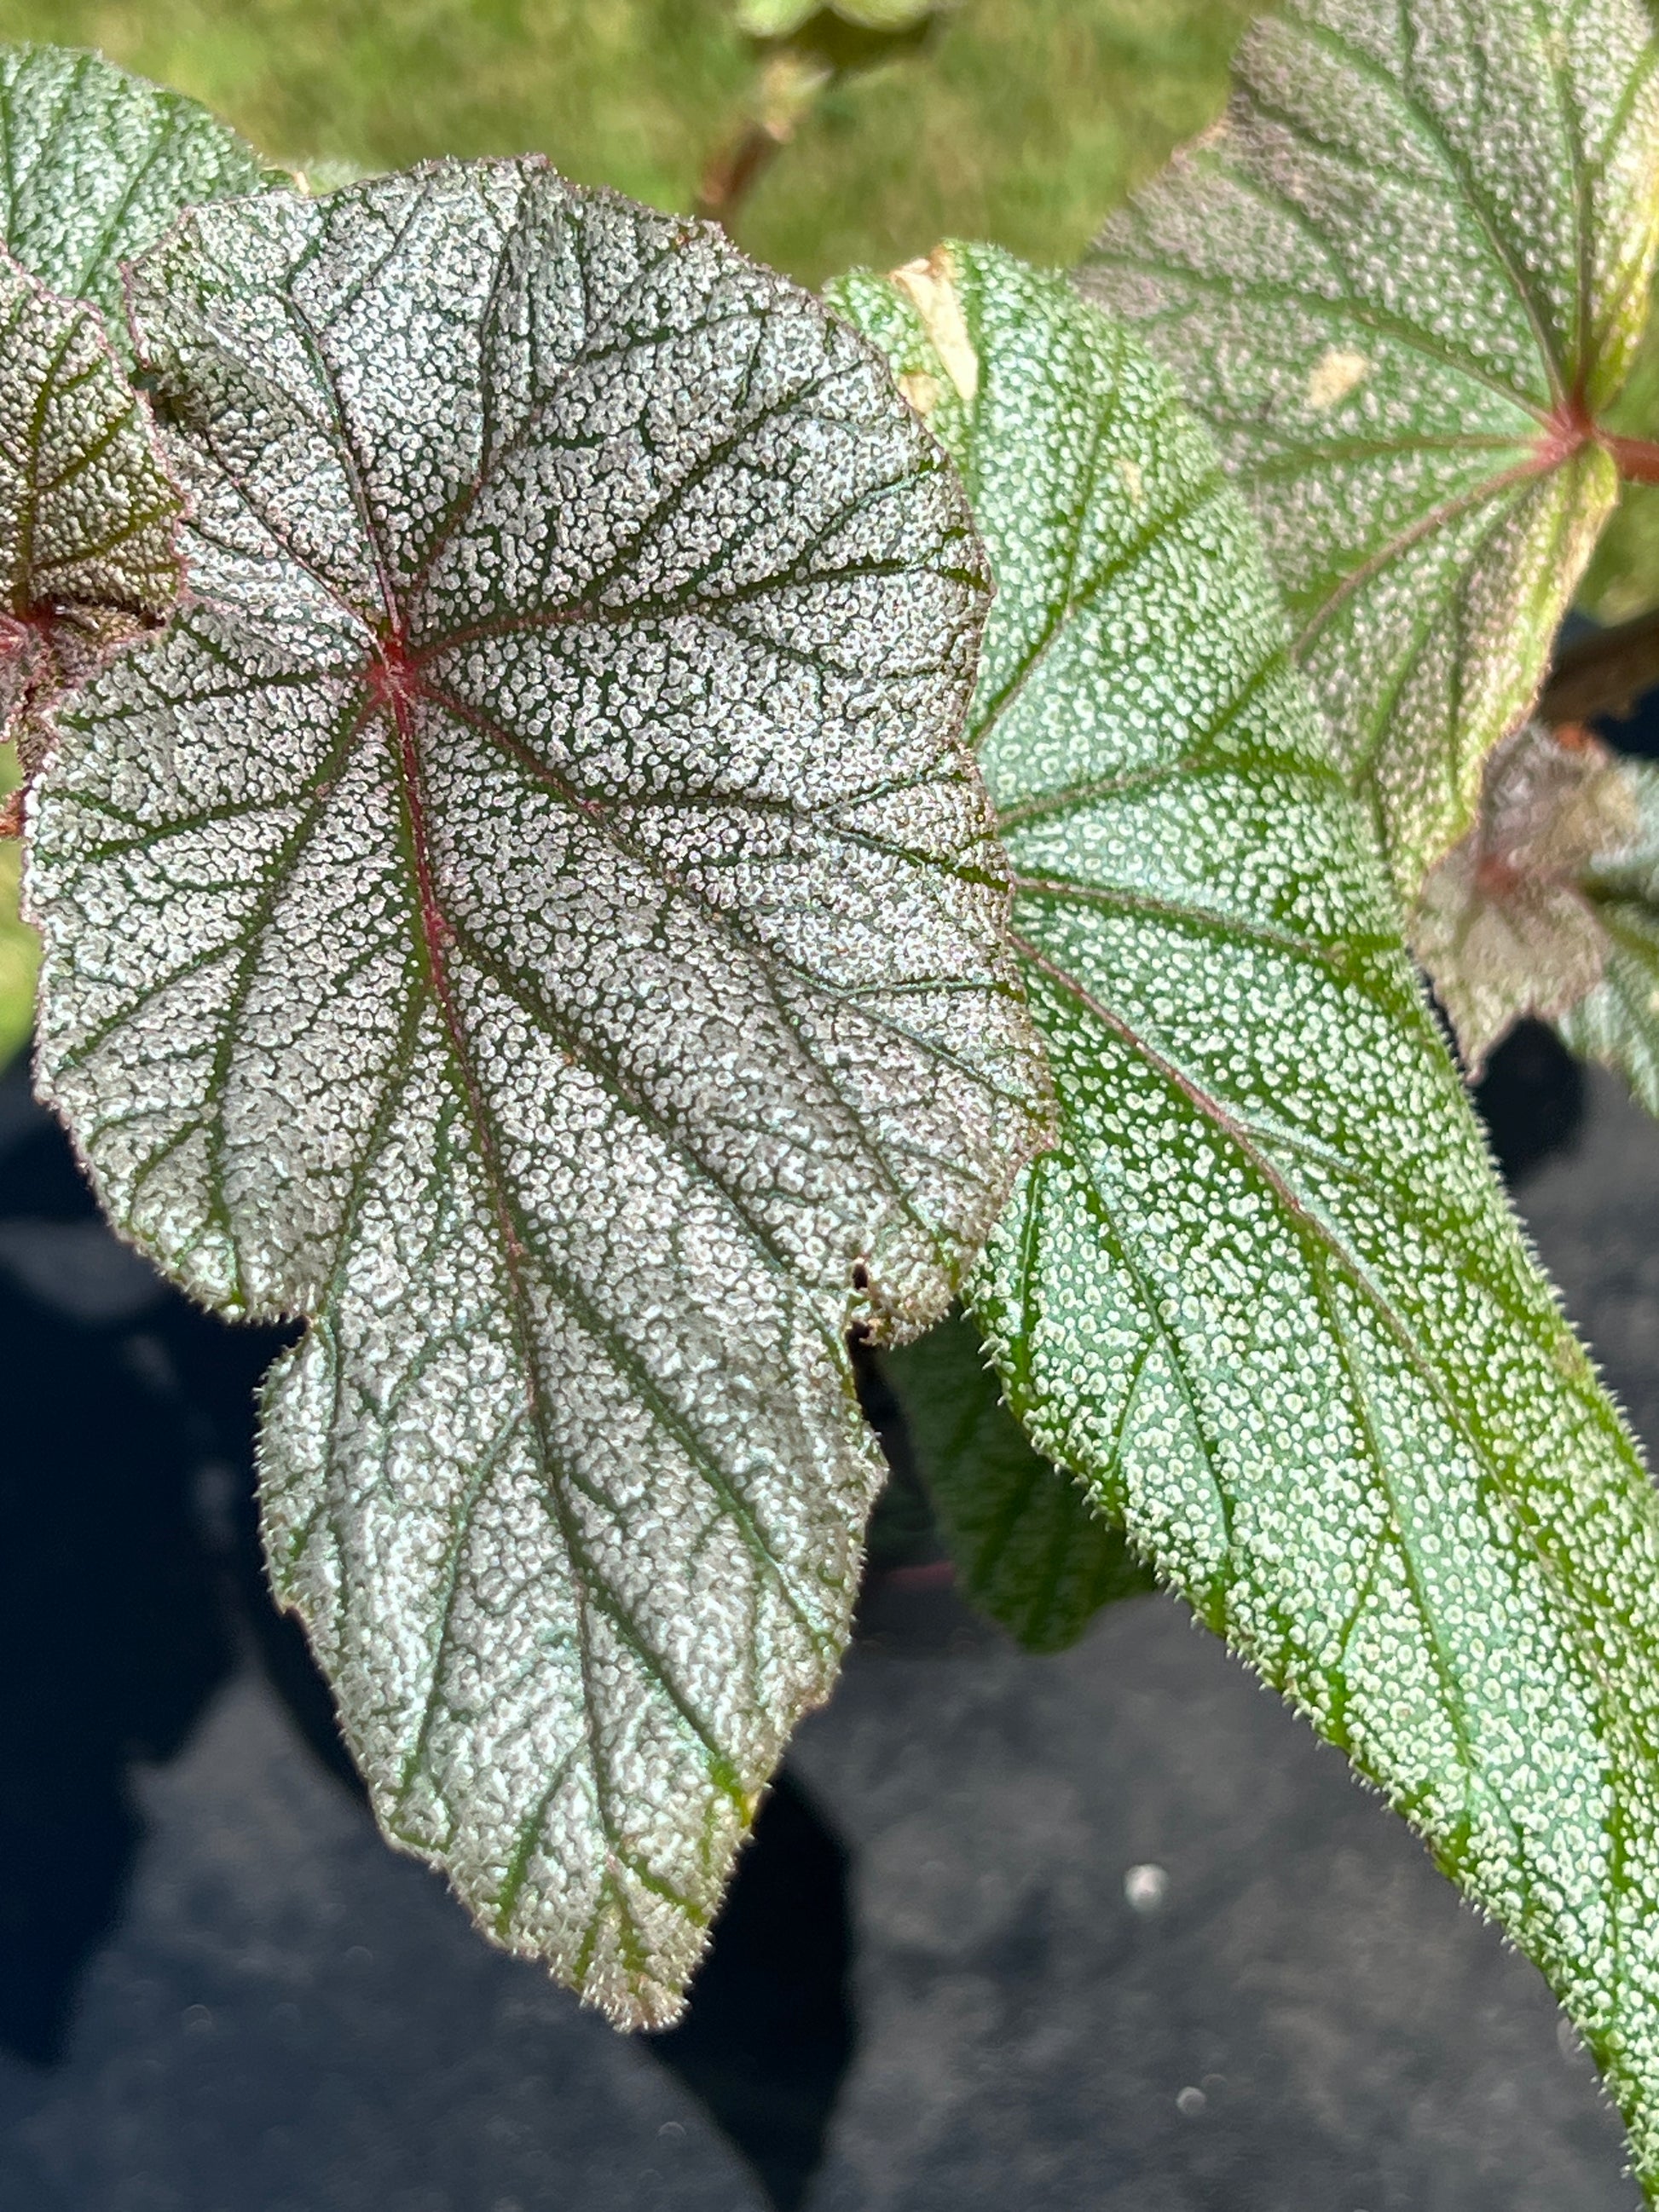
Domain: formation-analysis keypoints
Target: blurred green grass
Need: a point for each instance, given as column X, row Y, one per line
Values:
column 1023, row 121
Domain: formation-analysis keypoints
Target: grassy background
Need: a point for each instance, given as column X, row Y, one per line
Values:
column 1022, row 121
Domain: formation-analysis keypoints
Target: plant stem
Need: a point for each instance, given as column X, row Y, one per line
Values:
column 735, row 169
column 1603, row 674
column 785, row 93
column 1636, row 458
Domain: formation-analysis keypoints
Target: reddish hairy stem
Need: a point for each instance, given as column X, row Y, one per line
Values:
column 733, row 173
column 1636, row 458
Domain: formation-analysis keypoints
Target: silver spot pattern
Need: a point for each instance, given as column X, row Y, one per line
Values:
column 96, row 164
column 1398, row 282
column 1266, row 1294
column 87, row 507
column 532, row 914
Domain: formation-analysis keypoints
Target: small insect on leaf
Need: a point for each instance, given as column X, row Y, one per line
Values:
column 1403, row 281
column 1502, row 924
column 532, row 915
column 1265, row 1296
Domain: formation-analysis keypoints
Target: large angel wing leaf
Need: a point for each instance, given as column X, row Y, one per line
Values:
column 1266, row 1294
column 532, row 915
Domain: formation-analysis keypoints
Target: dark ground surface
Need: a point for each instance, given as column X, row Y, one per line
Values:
column 223, row 1994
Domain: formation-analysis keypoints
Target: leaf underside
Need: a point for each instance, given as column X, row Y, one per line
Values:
column 95, row 165
column 532, row 914
column 1397, row 282
column 1266, row 1296
column 1030, row 1545
column 87, row 507
column 1618, row 1023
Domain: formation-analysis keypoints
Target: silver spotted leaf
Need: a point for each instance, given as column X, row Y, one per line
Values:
column 1618, row 1021
column 1502, row 924
column 1400, row 281
column 96, row 164
column 1029, row 1544
column 533, row 916
column 87, row 506
column 1266, row 1295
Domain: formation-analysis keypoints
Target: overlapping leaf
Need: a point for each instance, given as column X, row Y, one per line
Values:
column 96, row 164
column 1618, row 1022
column 1400, row 282
column 1266, row 1294
column 1030, row 1546
column 1503, row 924
column 87, row 506
column 532, row 915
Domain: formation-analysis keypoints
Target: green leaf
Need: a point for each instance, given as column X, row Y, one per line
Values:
column 1030, row 1548
column 18, row 952
column 95, row 165
column 532, row 915
column 773, row 19
column 1622, row 579
column 781, row 19
column 87, row 507
column 1618, row 1022
column 1401, row 282
column 1503, row 925
column 1266, row 1296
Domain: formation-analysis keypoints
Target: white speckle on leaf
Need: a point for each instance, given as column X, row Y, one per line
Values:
column 1453, row 211
column 1266, row 1296
column 1338, row 373
column 532, row 915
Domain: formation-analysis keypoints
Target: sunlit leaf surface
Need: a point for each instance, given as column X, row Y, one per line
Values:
column 96, row 164
column 532, row 915
column 1266, row 1295
column 87, row 508
column 1398, row 281
column 1030, row 1548
column 1619, row 1021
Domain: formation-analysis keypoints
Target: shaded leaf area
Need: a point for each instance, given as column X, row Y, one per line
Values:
column 1503, row 924
column 1266, row 1296
column 87, row 506
column 1400, row 282
column 1622, row 579
column 1618, row 1021
column 531, row 912
column 96, row 164
column 1030, row 1548
column 770, row 2031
